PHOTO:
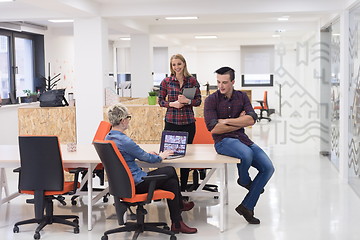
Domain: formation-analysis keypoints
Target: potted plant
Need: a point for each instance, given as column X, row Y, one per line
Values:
column 30, row 96
column 152, row 98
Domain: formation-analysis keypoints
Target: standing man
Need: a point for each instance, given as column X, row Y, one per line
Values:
column 226, row 113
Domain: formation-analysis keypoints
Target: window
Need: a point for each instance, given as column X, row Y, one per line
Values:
column 257, row 65
column 257, row 80
column 21, row 64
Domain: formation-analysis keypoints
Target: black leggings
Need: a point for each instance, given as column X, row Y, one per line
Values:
column 191, row 129
column 171, row 184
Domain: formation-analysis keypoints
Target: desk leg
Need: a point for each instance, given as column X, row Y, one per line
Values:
column 222, row 193
column 226, row 184
column 4, row 182
column 4, row 185
column 90, row 191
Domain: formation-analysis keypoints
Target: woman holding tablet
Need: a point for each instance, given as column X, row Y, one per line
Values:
column 179, row 115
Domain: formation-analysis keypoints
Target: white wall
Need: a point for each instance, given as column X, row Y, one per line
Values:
column 9, row 124
column 59, row 52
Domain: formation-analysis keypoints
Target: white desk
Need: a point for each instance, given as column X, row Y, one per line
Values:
column 197, row 156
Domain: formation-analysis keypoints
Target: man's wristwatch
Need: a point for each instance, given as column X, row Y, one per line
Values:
column 189, row 102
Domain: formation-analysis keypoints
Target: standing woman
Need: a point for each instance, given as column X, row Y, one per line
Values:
column 179, row 115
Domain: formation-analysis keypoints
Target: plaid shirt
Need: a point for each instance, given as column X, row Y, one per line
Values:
column 170, row 88
column 217, row 106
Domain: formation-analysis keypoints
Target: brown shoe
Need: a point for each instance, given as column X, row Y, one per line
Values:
column 247, row 214
column 181, row 227
column 187, row 206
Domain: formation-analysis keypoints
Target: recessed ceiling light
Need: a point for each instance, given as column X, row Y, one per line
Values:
column 284, row 18
column 61, row 20
column 7, row 0
column 206, row 37
column 275, row 35
column 181, row 18
column 125, row 38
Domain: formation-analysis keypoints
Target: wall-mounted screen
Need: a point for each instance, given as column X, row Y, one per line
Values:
column 257, row 80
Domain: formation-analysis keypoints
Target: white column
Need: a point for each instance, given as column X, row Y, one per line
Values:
column 344, row 99
column 91, row 75
column 141, row 65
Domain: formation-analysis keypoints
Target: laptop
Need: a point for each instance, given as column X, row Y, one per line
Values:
column 175, row 141
column 189, row 92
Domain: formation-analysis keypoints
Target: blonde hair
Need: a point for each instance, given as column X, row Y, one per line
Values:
column 117, row 113
column 181, row 58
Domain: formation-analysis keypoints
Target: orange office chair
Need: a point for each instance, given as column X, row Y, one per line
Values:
column 41, row 174
column 202, row 136
column 122, row 187
column 264, row 107
column 101, row 132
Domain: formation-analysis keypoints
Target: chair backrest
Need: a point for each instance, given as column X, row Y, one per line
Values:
column 102, row 130
column 202, row 135
column 41, row 163
column 121, row 181
column 265, row 101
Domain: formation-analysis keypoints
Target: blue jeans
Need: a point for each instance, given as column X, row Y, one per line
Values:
column 251, row 155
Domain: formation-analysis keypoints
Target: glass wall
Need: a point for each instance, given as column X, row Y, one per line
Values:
column 354, row 99
column 335, row 91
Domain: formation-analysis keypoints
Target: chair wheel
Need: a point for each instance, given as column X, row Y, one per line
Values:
column 216, row 197
column 105, row 237
column 16, row 229
column 166, row 228
column 105, row 199
column 172, row 237
column 76, row 230
column 37, row 236
column 73, row 202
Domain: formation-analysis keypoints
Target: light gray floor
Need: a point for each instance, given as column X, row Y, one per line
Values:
column 305, row 199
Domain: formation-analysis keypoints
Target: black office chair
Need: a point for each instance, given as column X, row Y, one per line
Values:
column 122, row 187
column 42, row 175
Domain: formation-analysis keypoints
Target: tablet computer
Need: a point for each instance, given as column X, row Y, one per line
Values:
column 189, row 92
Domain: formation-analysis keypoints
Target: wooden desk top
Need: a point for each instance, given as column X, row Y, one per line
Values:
column 196, row 154
column 201, row 153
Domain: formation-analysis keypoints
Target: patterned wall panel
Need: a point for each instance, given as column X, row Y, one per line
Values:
column 335, row 92
column 298, row 71
column 354, row 101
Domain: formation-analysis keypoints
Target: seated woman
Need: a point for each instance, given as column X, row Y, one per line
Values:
column 119, row 118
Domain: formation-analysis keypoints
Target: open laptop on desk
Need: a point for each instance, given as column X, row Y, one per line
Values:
column 175, row 141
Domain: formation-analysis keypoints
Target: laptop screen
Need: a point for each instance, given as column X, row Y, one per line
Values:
column 175, row 141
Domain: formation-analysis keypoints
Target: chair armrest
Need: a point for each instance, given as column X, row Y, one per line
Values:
column 17, row 169
column 76, row 171
column 154, row 177
column 152, row 185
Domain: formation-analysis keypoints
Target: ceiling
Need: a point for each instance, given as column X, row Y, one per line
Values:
column 234, row 22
